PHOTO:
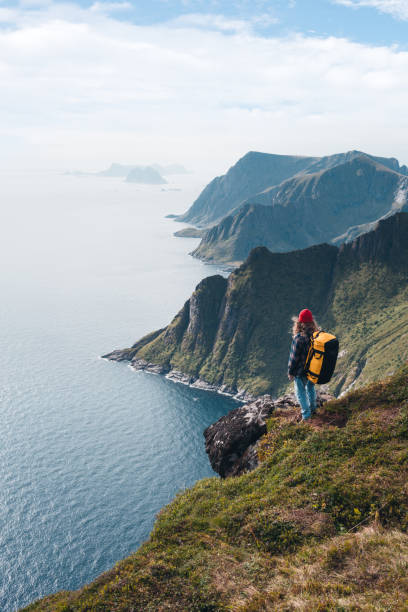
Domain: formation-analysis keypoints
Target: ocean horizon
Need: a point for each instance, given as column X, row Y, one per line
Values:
column 90, row 450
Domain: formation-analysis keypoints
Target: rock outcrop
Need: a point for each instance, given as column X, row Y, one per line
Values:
column 189, row 232
column 231, row 442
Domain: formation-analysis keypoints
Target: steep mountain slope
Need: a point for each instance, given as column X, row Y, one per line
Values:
column 233, row 333
column 369, row 304
column 256, row 172
column 252, row 173
column 308, row 209
column 320, row 525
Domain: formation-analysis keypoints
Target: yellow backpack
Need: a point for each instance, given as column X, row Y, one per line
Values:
column 321, row 358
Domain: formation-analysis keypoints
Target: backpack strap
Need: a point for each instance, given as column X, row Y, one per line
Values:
column 311, row 350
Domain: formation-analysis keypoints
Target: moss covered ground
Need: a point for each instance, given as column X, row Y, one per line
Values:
column 321, row 525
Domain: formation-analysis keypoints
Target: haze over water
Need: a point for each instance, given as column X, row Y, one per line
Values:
column 89, row 450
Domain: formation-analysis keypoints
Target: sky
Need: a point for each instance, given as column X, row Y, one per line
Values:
column 86, row 83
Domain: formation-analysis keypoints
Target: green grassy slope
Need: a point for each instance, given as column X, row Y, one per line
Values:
column 252, row 342
column 236, row 333
column 320, row 525
column 369, row 305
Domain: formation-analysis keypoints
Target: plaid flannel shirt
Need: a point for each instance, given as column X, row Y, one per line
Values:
column 298, row 355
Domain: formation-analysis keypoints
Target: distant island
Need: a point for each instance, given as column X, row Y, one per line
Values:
column 146, row 175
column 116, row 170
column 152, row 174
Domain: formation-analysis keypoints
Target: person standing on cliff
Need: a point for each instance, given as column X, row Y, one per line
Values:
column 303, row 327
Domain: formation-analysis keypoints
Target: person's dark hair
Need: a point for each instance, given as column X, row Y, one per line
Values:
column 306, row 329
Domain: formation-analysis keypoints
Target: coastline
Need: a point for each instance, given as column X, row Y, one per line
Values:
column 176, row 376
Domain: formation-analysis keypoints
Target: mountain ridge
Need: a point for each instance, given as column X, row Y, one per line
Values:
column 232, row 334
column 331, row 205
column 254, row 173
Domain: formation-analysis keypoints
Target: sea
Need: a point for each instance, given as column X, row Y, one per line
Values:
column 90, row 450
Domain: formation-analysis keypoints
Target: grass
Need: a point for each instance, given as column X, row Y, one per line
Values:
column 374, row 341
column 237, row 333
column 320, row 525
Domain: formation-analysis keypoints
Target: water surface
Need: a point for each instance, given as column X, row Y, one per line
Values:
column 89, row 450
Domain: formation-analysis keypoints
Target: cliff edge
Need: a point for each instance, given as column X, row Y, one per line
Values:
column 320, row 524
column 232, row 334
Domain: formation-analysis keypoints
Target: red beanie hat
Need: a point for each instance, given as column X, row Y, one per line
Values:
column 305, row 316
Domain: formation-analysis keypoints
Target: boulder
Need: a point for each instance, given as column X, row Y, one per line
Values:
column 231, row 442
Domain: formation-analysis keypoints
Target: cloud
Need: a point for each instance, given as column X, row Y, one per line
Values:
column 7, row 15
column 110, row 7
column 210, row 21
column 80, row 89
column 396, row 8
column 34, row 3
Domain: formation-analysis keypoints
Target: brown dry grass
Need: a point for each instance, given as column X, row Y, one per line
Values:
column 364, row 571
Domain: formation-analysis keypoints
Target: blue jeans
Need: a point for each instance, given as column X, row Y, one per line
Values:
column 306, row 395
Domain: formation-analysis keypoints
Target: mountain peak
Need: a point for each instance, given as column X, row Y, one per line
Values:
column 257, row 172
column 339, row 197
column 388, row 241
column 256, row 254
column 233, row 334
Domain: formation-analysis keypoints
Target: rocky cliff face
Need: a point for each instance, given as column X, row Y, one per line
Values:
column 331, row 205
column 232, row 335
column 232, row 442
column 252, row 173
column 387, row 242
column 256, row 172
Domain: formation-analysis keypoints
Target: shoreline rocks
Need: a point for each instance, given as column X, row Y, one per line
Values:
column 176, row 376
column 189, row 232
column 182, row 378
column 145, row 366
